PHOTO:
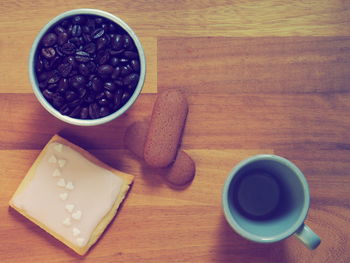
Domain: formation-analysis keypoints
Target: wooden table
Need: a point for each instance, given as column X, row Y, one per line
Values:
column 260, row 77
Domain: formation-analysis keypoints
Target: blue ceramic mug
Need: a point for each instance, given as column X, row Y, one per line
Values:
column 266, row 199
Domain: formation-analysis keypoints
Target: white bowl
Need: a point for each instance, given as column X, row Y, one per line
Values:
column 48, row 106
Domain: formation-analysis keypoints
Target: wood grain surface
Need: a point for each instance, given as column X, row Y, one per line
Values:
column 270, row 76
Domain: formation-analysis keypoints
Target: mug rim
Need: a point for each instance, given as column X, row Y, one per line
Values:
column 34, row 83
column 291, row 230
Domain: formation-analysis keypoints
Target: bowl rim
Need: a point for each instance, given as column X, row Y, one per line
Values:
column 48, row 106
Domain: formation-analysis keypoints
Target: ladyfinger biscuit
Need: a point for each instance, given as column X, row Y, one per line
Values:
column 182, row 171
column 167, row 122
column 135, row 137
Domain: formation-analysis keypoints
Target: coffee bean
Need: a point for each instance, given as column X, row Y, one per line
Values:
column 109, row 95
column 62, row 85
column 96, row 84
column 48, row 53
column 39, row 65
column 57, row 100
column 90, row 48
column 76, row 41
column 77, row 81
column 104, row 111
column 58, row 30
column 54, row 77
column 71, row 95
column 82, row 92
column 82, row 56
column 119, row 83
column 130, row 54
column 71, row 60
column 76, row 112
column 131, row 80
column 127, row 41
column 73, row 73
column 100, row 96
column 98, row 20
column 105, row 69
column 48, row 94
column 68, row 48
column 65, row 23
column 102, row 57
column 42, row 85
column 117, row 42
column 84, row 114
column 78, row 20
column 89, row 98
column 125, row 70
column 62, row 38
column 110, row 86
column 65, row 110
column 135, row 65
column 103, row 102
column 98, row 33
column 101, row 43
column 91, row 66
column 113, row 52
column 112, row 28
column 125, row 97
column 74, row 103
column 43, row 76
column 84, row 70
column 55, row 62
column 49, row 40
column 118, row 99
column 123, row 61
column 94, row 111
column 47, row 64
column 52, row 87
column 114, row 61
column 65, row 69
column 116, row 73
column 76, row 31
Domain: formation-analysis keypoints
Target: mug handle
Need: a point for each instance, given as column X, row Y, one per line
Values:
column 308, row 237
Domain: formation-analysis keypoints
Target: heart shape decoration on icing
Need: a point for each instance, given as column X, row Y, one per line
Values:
column 61, row 163
column 76, row 231
column 58, row 147
column 52, row 159
column 64, row 196
column 70, row 186
column 77, row 215
column 70, row 208
column 56, row 173
column 61, row 182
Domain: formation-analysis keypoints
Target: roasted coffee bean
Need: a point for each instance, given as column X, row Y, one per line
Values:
column 47, row 64
column 124, row 61
column 127, row 41
column 65, row 23
column 55, row 62
column 82, row 92
column 94, row 111
column 113, row 52
column 84, row 114
column 114, row 61
column 116, row 73
column 71, row 60
column 85, row 29
column 65, row 110
column 73, row 73
column 76, row 31
column 112, row 28
column 130, row 54
column 43, row 76
column 117, row 98
column 62, row 38
column 117, row 42
column 99, row 96
column 76, row 41
column 119, row 83
column 101, row 43
column 109, row 95
column 53, row 78
column 84, row 70
column 74, row 103
column 48, row 94
column 82, row 56
column 125, row 70
column 78, row 20
column 105, row 69
column 65, row 69
column 102, row 57
column 49, row 40
column 96, row 84
column 58, row 30
column 98, row 20
column 98, row 33
column 42, row 84
column 48, row 52
column 62, row 85
column 90, row 48
column 131, row 80
column 52, row 87
column 39, row 65
column 76, row 112
column 57, row 100
column 77, row 81
column 68, row 48
column 125, row 97
column 89, row 98
column 104, row 111
column 103, row 102
column 71, row 95
column 135, row 65
column 110, row 86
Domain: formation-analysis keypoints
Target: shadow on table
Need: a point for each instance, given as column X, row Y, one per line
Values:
column 231, row 247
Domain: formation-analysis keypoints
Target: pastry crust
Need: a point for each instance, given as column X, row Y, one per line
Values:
column 127, row 181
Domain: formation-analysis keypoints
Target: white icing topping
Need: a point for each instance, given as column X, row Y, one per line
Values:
column 80, row 241
column 61, row 182
column 76, row 231
column 69, row 208
column 56, row 172
column 95, row 191
column 70, row 185
column 67, row 221
column 58, row 147
column 77, row 215
column 52, row 159
column 63, row 196
column 61, row 163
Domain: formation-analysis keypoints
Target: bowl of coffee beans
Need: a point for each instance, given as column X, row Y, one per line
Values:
column 87, row 67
